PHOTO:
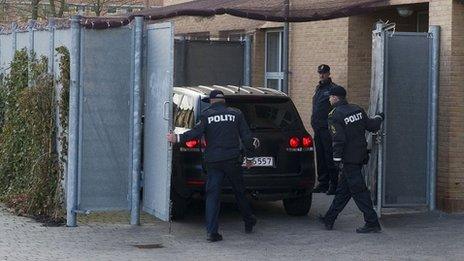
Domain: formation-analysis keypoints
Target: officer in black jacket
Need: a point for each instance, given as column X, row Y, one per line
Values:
column 225, row 129
column 327, row 174
column 348, row 124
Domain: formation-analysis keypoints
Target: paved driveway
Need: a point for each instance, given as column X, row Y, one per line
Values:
column 419, row 236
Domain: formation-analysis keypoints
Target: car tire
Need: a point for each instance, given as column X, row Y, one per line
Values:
column 179, row 206
column 298, row 206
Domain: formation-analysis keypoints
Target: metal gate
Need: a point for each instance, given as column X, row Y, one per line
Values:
column 105, row 80
column 403, row 160
column 159, row 64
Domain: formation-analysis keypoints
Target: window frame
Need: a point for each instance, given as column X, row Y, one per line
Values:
column 274, row 75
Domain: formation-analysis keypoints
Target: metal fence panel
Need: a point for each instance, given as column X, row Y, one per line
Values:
column 406, row 126
column 6, row 52
column 104, row 107
column 158, row 111
column 22, row 40
column 209, row 63
column 42, row 43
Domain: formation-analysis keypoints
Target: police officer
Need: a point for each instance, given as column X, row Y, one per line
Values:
column 327, row 174
column 348, row 124
column 225, row 129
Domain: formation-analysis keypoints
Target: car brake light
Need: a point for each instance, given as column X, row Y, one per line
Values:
column 195, row 182
column 192, row 143
column 307, row 141
column 294, row 142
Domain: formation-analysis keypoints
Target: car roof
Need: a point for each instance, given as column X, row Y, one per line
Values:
column 231, row 90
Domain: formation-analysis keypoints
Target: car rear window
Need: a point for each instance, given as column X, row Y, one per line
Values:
column 267, row 113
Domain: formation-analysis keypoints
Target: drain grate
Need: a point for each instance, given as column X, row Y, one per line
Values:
column 149, row 246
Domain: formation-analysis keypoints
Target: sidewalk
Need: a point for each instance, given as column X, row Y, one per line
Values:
column 420, row 236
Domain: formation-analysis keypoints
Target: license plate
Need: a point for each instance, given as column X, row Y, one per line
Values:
column 262, row 162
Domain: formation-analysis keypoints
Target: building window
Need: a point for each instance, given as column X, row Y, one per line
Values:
column 274, row 56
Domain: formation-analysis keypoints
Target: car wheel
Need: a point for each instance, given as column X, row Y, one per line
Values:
column 298, row 206
column 179, row 206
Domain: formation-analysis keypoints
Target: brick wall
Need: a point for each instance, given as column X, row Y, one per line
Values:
column 312, row 44
column 450, row 184
column 360, row 48
column 258, row 58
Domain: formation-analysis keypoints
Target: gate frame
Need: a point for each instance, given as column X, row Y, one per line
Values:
column 433, row 88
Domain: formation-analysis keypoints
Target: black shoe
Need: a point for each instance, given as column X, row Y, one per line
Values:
column 369, row 229
column 332, row 190
column 328, row 226
column 249, row 226
column 320, row 189
column 214, row 237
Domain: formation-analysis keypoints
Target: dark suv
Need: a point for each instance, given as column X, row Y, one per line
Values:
column 284, row 168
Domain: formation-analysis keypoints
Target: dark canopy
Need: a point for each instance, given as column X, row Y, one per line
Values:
column 266, row 10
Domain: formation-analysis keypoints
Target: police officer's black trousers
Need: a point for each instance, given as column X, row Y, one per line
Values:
column 216, row 172
column 326, row 170
column 352, row 185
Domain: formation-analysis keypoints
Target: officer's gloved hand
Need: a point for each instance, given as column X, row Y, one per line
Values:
column 382, row 115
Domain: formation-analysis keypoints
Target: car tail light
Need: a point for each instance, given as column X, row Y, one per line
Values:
column 192, row 144
column 294, row 142
column 195, row 182
column 307, row 141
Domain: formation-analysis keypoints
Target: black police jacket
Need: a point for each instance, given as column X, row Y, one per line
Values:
column 321, row 105
column 225, row 129
column 348, row 124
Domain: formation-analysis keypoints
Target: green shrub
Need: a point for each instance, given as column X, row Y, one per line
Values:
column 30, row 170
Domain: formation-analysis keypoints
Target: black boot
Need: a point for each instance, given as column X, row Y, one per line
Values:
column 369, row 229
column 320, row 189
column 249, row 226
column 327, row 225
column 214, row 237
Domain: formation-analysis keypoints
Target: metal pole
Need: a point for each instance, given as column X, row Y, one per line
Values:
column 137, row 122
column 51, row 45
column 73, row 161
column 14, row 28
column 380, row 82
column 247, row 61
column 285, row 58
column 433, row 110
column 286, row 47
column 1, row 65
column 31, row 28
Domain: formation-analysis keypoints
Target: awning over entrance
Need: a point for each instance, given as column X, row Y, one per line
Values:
column 266, row 10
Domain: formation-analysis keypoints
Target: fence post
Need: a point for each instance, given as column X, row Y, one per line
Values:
column 14, row 28
column 136, row 122
column 247, row 61
column 51, row 45
column 30, row 28
column 433, row 112
column 1, row 65
column 73, row 160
